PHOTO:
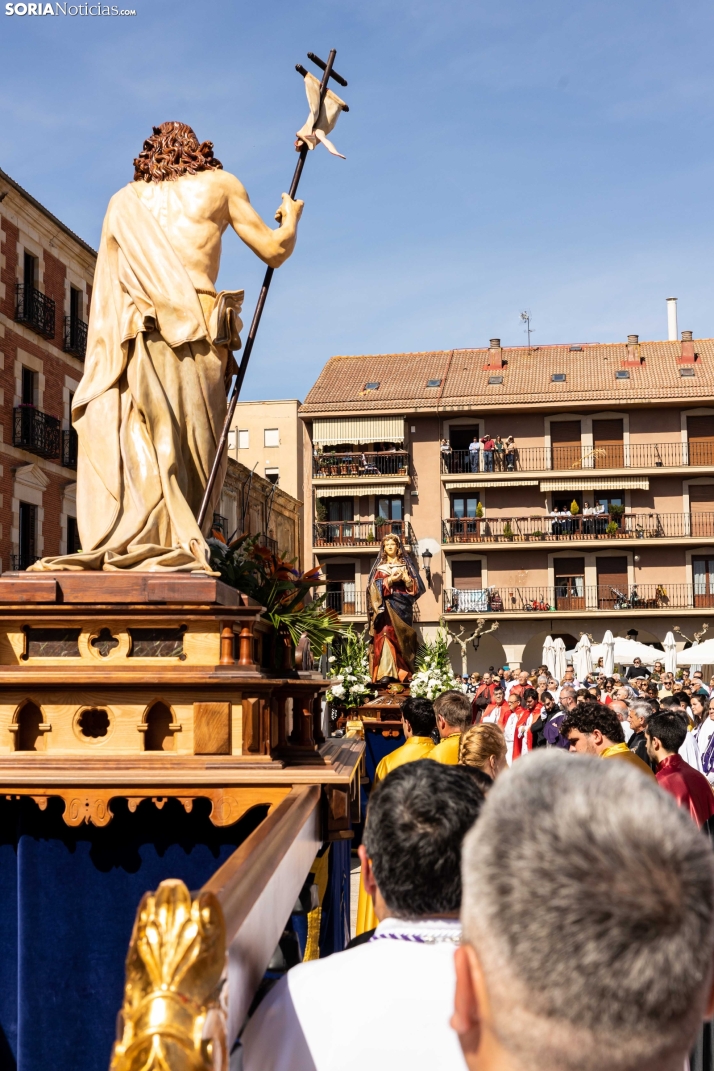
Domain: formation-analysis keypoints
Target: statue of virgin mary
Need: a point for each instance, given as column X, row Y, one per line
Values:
column 394, row 586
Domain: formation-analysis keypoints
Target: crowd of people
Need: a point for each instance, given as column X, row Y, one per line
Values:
column 610, row 968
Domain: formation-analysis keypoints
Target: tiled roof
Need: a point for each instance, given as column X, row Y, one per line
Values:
column 589, row 377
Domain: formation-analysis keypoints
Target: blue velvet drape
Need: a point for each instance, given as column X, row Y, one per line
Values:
column 68, row 898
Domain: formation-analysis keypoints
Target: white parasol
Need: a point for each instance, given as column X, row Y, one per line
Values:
column 670, row 653
column 582, row 657
column 549, row 655
column 607, row 651
column 560, row 663
column 697, row 655
column 626, row 651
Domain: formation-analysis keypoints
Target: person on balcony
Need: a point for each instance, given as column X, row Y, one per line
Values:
column 394, row 586
column 510, row 454
column 474, row 447
column 487, row 445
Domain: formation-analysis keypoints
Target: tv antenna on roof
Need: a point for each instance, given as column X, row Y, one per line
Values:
column 526, row 318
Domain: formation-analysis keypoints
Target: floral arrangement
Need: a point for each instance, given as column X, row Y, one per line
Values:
column 434, row 674
column 278, row 586
column 349, row 670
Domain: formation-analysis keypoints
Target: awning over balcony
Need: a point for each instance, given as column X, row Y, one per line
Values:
column 476, row 482
column 377, row 429
column 597, row 483
column 354, row 489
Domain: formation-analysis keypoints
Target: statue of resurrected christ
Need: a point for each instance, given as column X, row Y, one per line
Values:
column 152, row 401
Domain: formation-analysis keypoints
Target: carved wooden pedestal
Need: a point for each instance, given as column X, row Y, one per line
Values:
column 146, row 686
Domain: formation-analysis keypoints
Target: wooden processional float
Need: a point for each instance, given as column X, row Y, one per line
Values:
column 147, row 742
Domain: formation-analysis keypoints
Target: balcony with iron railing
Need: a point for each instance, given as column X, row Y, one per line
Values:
column 35, row 310
column 359, row 533
column 220, row 524
column 348, row 601
column 564, row 528
column 565, row 458
column 268, row 542
column 571, row 595
column 361, row 464
column 69, row 448
column 36, row 432
column 75, row 337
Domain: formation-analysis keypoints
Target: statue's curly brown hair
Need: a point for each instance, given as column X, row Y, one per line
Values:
column 173, row 150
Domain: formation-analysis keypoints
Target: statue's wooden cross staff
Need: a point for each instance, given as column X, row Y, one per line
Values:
column 237, row 381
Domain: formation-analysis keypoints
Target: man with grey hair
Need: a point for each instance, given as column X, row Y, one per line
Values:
column 638, row 711
column 595, row 978
column 622, row 710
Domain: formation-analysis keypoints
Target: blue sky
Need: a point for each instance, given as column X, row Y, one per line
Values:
column 548, row 155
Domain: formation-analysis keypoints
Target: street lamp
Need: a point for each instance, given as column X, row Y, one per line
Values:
column 426, row 561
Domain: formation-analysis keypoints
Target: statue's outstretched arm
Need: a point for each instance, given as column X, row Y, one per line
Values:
column 272, row 246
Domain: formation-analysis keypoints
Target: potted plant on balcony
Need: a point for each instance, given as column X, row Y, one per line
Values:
column 508, row 531
column 383, row 527
column 283, row 592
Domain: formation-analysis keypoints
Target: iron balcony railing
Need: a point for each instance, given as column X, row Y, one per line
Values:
column 220, row 524
column 348, row 602
column 35, row 309
column 20, row 562
column 36, row 432
column 572, row 595
column 75, row 337
column 557, row 529
column 359, row 533
column 69, row 448
column 359, row 463
column 268, row 542
column 566, row 457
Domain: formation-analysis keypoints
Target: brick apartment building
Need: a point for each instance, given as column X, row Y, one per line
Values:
column 46, row 275
column 603, row 518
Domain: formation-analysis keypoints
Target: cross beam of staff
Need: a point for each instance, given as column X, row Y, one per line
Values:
column 237, row 381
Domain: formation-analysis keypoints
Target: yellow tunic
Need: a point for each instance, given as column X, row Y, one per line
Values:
column 416, row 747
column 447, row 750
column 622, row 751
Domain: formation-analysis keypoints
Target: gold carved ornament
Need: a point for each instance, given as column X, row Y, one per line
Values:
column 172, row 1018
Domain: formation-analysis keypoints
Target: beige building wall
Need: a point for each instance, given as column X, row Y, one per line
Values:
column 268, row 436
column 249, row 503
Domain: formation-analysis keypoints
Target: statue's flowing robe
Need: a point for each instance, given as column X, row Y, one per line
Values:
column 391, row 615
column 149, row 409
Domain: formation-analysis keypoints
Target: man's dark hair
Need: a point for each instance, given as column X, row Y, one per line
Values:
column 420, row 715
column 589, row 716
column 670, row 728
column 417, row 818
column 455, row 708
column 529, row 693
column 681, row 698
